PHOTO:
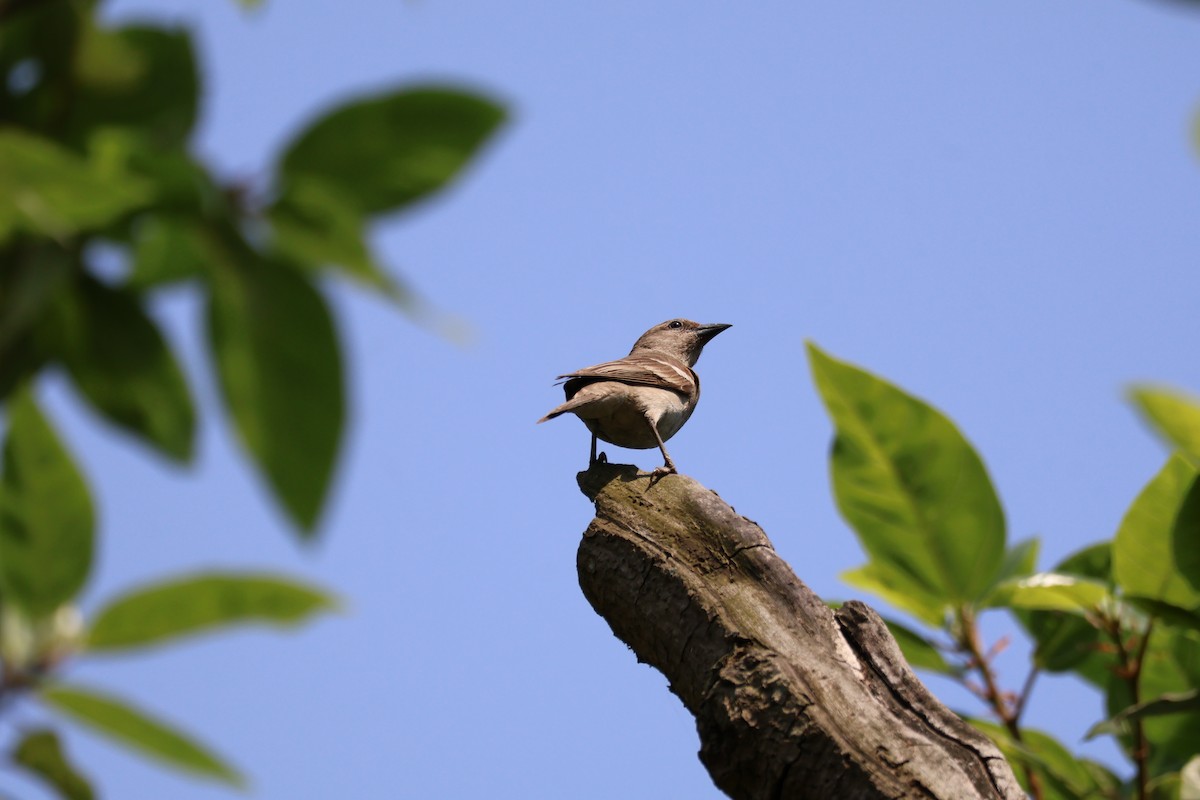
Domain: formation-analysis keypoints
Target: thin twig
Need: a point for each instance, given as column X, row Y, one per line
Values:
column 1007, row 712
column 1026, row 690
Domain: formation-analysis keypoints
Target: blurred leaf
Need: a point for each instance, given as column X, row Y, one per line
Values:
column 280, row 368
column 1174, row 415
column 123, row 724
column 1020, row 560
column 121, row 364
column 314, row 226
column 919, row 651
column 1049, row 591
column 1144, row 549
column 384, row 153
column 180, row 185
column 45, row 515
column 40, row 753
column 1189, row 778
column 898, row 590
column 31, row 275
column 909, row 483
column 1065, row 641
column 1064, row 777
column 1093, row 561
column 44, row 35
column 1172, row 737
column 52, row 192
column 136, row 77
column 1186, row 654
column 1185, row 537
column 1170, row 614
column 167, row 249
column 160, row 613
column 1173, row 703
column 19, row 362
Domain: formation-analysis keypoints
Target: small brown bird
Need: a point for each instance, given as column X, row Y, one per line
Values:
column 643, row 399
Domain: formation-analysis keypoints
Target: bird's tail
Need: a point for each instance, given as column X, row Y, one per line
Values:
column 565, row 408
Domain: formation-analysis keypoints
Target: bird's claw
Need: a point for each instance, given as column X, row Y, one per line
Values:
column 661, row 472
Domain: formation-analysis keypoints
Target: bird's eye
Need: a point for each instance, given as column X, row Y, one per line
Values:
column 675, row 324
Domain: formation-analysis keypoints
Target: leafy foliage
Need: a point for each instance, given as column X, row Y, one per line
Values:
column 41, row 753
column 45, row 515
column 188, row 606
column 115, row 719
column 911, row 486
column 95, row 161
column 1123, row 615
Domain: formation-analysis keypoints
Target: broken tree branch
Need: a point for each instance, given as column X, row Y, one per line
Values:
column 791, row 699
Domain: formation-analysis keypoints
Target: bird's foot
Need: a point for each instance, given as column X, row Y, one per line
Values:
column 600, row 459
column 661, row 472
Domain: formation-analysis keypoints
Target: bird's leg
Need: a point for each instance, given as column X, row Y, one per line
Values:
column 593, row 459
column 668, row 467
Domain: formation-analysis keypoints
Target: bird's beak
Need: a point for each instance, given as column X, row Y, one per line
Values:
column 707, row 332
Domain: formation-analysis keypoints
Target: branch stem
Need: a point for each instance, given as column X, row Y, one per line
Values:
column 1008, row 713
column 1131, row 658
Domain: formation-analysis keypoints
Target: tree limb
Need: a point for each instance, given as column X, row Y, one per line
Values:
column 791, row 700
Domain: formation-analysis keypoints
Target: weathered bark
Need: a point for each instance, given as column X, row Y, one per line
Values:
column 791, row 699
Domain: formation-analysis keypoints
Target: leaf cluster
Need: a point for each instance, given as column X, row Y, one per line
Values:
column 1122, row 614
column 98, row 170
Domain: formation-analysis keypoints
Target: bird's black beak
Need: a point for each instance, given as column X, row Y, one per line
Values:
column 707, row 332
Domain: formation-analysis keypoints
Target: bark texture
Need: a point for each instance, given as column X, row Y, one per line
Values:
column 791, row 699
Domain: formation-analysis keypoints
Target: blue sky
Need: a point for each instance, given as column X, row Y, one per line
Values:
column 994, row 205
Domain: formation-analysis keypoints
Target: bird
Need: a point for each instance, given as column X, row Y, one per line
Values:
column 643, row 399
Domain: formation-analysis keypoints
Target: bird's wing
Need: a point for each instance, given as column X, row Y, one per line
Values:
column 660, row 371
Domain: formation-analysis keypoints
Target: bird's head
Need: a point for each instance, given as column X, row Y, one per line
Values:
column 680, row 338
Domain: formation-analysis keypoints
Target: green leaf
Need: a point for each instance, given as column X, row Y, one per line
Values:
column 1171, row 703
column 384, row 153
column 136, row 77
column 1066, row 641
column 312, row 225
column 133, row 728
column 181, row 186
column 919, row 651
column 163, row 612
column 1168, row 669
column 1174, row 415
column 1050, row 591
column 1020, row 560
column 1144, row 549
column 121, row 364
column 280, row 368
column 897, row 589
column 910, row 484
column 33, row 275
column 52, row 192
column 1185, row 537
column 46, row 35
column 40, row 753
column 45, row 515
column 31, row 278
column 167, row 249
column 1064, row 777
